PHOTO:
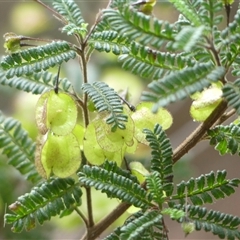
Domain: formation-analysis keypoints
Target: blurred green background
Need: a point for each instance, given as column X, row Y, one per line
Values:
column 30, row 19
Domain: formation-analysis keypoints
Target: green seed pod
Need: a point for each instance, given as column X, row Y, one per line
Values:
column 56, row 112
column 60, row 155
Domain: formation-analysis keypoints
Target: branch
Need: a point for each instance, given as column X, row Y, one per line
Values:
column 199, row 132
column 94, row 232
column 222, row 119
column 85, row 220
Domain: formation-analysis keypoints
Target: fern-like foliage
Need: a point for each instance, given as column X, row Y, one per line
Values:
column 220, row 224
column 37, row 59
column 189, row 38
column 142, row 226
column 115, row 185
column 43, row 202
column 69, row 10
column 202, row 189
column 18, row 148
column 72, row 29
column 161, row 161
column 149, row 63
column 231, row 93
column 115, row 235
column 109, row 41
column 132, row 228
column 106, row 99
column 200, row 13
column 154, row 185
column 138, row 26
column 180, row 84
column 230, row 44
column 226, row 139
column 189, row 10
column 112, row 167
column 35, row 83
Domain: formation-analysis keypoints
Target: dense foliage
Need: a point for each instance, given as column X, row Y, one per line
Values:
column 193, row 57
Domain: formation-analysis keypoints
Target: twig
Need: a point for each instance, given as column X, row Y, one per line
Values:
column 225, row 116
column 199, row 132
column 85, row 80
column 228, row 11
column 89, row 208
column 98, row 19
column 222, row 119
column 83, row 217
column 86, row 120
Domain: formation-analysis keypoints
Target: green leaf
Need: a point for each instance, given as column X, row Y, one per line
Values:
column 18, row 147
column 106, row 99
column 161, row 161
column 225, row 138
column 72, row 29
column 135, row 25
column 188, row 11
column 179, row 84
column 43, row 202
column 231, row 92
column 38, row 58
column 173, row 213
column 154, row 185
column 35, row 83
column 221, row 224
column 188, row 38
column 150, row 63
column 109, row 41
column 115, row 185
column 202, row 189
column 69, row 10
column 137, row 227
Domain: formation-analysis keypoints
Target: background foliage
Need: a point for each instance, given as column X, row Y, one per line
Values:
column 147, row 64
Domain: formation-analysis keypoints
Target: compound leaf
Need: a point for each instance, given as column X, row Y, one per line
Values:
column 106, row 99
column 18, row 147
column 43, row 202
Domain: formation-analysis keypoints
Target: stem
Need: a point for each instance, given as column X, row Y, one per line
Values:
column 228, row 11
column 199, row 132
column 89, row 208
column 85, row 220
column 222, row 119
column 214, row 51
column 98, row 19
column 106, row 222
column 225, row 116
column 86, row 120
column 85, row 80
